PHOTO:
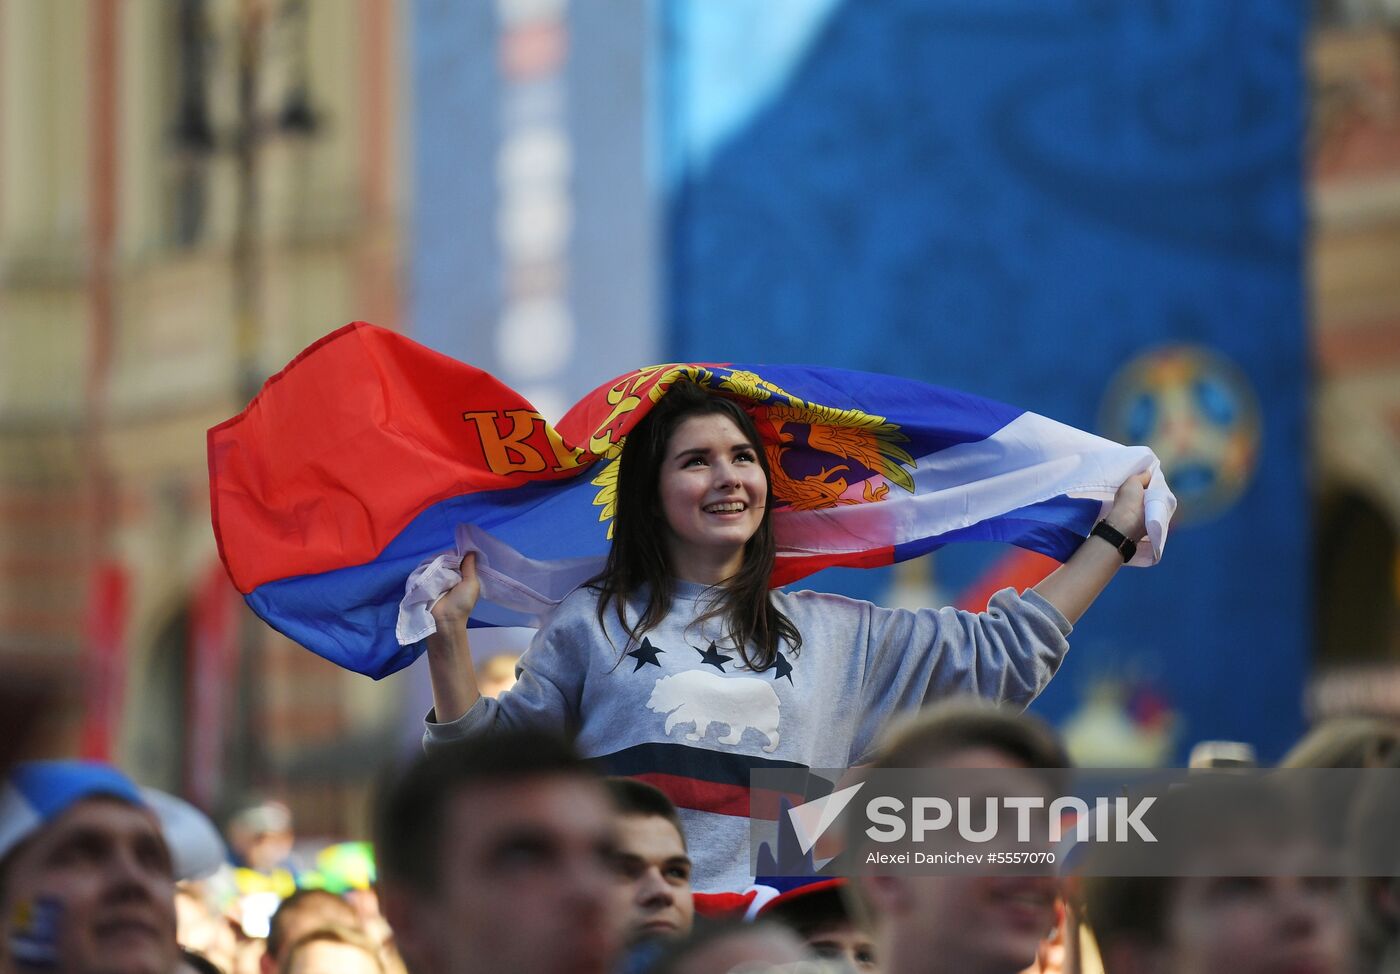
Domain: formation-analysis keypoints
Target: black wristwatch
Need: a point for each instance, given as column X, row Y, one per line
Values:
column 1114, row 537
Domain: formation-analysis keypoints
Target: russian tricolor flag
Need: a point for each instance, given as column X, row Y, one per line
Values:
column 360, row 460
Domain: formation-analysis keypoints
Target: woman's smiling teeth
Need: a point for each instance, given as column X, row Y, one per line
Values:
column 728, row 507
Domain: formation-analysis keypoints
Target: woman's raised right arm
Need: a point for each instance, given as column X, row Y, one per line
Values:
column 450, row 668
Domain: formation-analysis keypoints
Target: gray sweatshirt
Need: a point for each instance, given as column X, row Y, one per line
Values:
column 680, row 710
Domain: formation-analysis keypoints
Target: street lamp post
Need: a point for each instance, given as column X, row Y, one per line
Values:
column 250, row 131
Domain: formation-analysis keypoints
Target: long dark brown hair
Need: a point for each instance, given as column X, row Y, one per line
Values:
column 639, row 560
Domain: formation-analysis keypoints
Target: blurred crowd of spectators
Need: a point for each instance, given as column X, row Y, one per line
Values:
column 509, row 853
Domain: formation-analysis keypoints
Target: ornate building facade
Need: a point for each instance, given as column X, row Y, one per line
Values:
column 1355, row 254
column 190, row 192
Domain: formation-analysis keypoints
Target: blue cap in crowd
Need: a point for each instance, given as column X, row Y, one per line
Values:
column 37, row 792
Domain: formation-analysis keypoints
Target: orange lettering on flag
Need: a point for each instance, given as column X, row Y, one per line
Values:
column 510, row 453
column 568, row 458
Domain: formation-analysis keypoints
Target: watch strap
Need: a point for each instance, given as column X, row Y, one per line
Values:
column 1113, row 536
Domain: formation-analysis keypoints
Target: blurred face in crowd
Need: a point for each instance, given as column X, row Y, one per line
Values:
column 822, row 920
column 332, row 957
column 295, row 918
column 653, row 880
column 758, row 948
column 1248, row 924
column 265, row 851
column 200, row 931
column 844, row 944
column 527, row 873
column 971, row 924
column 1258, row 924
column 96, row 885
column 262, row 836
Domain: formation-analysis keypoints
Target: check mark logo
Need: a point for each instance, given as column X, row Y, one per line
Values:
column 811, row 819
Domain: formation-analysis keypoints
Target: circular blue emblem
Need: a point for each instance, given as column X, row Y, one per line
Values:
column 1198, row 413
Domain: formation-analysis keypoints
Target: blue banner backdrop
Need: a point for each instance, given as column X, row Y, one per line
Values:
column 1090, row 209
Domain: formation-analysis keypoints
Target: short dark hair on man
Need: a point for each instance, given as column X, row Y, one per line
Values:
column 410, row 808
column 320, row 901
column 814, row 912
column 632, row 797
column 959, row 725
column 198, row 962
column 937, row 732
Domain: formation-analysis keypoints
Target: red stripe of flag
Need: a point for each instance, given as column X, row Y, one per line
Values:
column 719, row 799
column 791, row 568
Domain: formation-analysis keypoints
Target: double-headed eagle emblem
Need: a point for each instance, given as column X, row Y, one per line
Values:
column 820, row 456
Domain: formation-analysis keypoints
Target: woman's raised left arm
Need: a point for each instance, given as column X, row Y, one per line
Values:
column 1073, row 586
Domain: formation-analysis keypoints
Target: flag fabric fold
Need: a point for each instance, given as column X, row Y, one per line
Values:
column 362, row 458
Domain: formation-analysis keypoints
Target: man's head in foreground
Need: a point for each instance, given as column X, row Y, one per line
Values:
column 653, row 867
column 969, row 924
column 87, row 875
column 498, row 854
column 1243, row 902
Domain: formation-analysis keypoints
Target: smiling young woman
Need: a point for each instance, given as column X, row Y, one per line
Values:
column 713, row 496
column 679, row 665
column 693, row 499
